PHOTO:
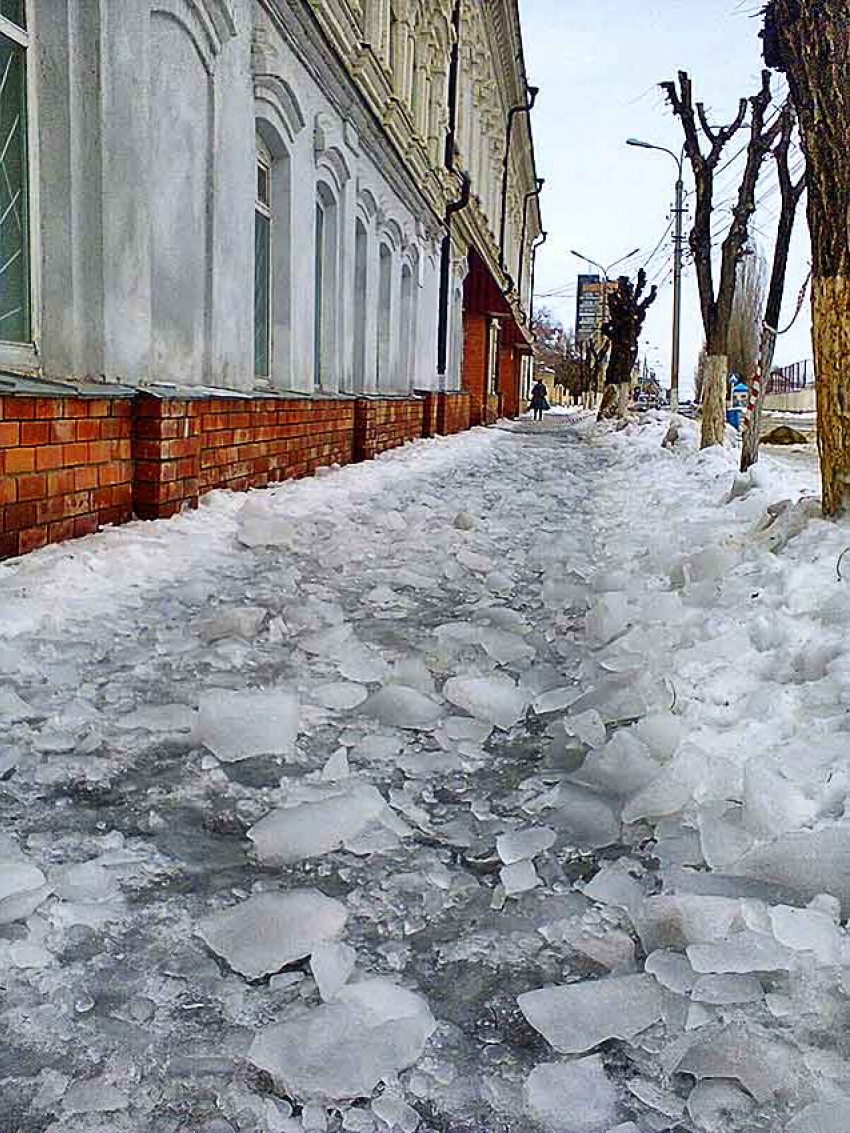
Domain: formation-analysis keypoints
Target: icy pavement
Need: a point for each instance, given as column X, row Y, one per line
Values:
column 498, row 784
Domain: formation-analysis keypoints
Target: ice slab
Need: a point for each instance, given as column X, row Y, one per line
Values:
column 13, row 708
column 762, row 1064
column 577, row 1096
column 594, row 937
column 822, row 1117
column 332, row 965
column 23, row 887
column 577, row 1017
column 372, row 1030
column 663, row 733
column 234, row 621
column 519, row 878
column 588, row 819
column 742, row 952
column 519, row 845
column 94, row 1096
column 712, row 1103
column 555, row 700
column 672, row 970
column 270, row 930
column 239, row 725
column 724, row 989
column 588, row 727
column 806, row 861
column 622, row 767
column 341, row 695
column 395, row 1113
column 773, row 805
column 679, row 920
column 672, row 790
column 306, row 830
column 495, row 699
column 607, row 619
column 723, row 839
column 807, row 930
column 616, row 885
column 398, row 706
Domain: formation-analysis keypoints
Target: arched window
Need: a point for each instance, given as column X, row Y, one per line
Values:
column 14, row 223
column 407, row 327
column 385, row 292
column 263, row 264
column 361, row 282
column 324, row 320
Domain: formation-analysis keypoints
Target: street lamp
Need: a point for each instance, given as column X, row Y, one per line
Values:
column 605, row 271
column 679, row 212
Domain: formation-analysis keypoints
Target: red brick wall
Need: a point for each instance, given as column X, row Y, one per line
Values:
column 509, row 369
column 166, row 450
column 431, row 413
column 384, row 424
column 475, row 364
column 453, row 413
column 65, row 468
column 252, row 443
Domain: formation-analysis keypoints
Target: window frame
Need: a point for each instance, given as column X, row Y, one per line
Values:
column 15, row 356
column 264, row 161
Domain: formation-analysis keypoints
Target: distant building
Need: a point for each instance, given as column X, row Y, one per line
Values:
column 592, row 307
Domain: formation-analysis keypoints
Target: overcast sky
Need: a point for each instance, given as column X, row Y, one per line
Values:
column 598, row 64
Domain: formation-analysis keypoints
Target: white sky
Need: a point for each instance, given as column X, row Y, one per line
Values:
column 598, row 63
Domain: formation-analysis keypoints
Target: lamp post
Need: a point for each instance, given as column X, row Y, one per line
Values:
column 679, row 212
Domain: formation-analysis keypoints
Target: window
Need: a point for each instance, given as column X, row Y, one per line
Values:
column 262, row 265
column 325, row 352
column 385, row 289
column 493, row 357
column 319, row 320
column 407, row 327
column 361, row 278
column 15, row 299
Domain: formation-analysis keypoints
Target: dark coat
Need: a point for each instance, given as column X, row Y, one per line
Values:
column 540, row 397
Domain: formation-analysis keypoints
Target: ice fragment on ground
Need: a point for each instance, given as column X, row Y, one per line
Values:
column 588, row 727
column 291, row 834
column 576, row 1096
column 94, row 1096
column 342, row 695
column 807, row 930
column 773, row 804
column 679, row 920
column 412, row 672
column 13, row 709
column 555, row 700
column 270, row 930
column 672, row 970
column 521, row 844
column 762, row 1064
column 723, row 989
column 332, row 965
column 357, row 662
column 594, row 937
column 713, row 1103
column 23, row 888
column 822, row 1117
column 464, row 521
column 622, row 767
column 86, row 881
column 460, row 728
column 607, row 619
column 588, row 819
column 239, row 725
column 741, row 953
column 663, row 733
column 672, row 790
column 616, row 885
column 519, row 878
column 652, row 1096
column 333, row 643
column 233, row 621
column 577, row 1017
column 171, row 718
column 371, row 1031
column 396, row 1113
column 336, row 767
column 400, row 707
column 495, row 699
column 807, row 861
column 723, row 838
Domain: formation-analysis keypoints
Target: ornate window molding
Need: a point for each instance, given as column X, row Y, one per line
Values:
column 209, row 23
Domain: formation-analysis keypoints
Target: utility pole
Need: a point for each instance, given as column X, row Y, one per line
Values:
column 677, row 294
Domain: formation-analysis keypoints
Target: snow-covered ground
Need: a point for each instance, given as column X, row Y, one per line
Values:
column 497, row 784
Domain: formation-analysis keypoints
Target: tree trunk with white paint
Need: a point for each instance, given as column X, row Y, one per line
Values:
column 714, row 401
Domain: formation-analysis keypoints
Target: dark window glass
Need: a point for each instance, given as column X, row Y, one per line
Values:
column 262, row 278
column 262, row 184
column 14, row 10
column 14, row 245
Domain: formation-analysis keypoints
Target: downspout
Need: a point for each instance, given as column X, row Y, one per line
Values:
column 452, row 208
column 535, row 247
column 528, row 196
column 523, row 108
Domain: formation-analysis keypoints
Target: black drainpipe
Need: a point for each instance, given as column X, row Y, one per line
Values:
column 452, row 208
column 523, row 108
column 538, row 244
column 528, row 196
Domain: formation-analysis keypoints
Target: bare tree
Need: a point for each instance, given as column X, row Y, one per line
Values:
column 704, row 146
column 790, row 192
column 810, row 41
column 627, row 308
column 699, row 377
column 747, row 314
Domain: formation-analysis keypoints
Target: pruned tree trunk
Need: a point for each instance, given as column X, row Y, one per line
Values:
column 623, row 400
column 810, row 41
column 714, row 401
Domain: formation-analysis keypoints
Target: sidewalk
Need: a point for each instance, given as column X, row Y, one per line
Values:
column 326, row 786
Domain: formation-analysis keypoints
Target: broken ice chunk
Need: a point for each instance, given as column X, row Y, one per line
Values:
column 741, row 952
column 239, row 725
column 291, row 834
column 519, row 878
column 723, row 838
column 588, row 727
column 773, row 805
column 607, row 619
column 371, row 1031
column 343, row 695
column 170, row 718
column 712, row 1103
column 400, row 707
column 577, row 1096
column 679, row 920
column 396, row 1113
column 808, row 861
column 270, row 930
column 555, row 700
column 232, row 621
column 807, row 930
column 761, row 1063
column 13, row 709
column 724, row 989
column 662, row 732
column 94, row 1096
column 521, row 844
column 822, row 1117
column 672, row 970
column 672, row 790
column 622, row 767
column 588, row 819
column 496, row 699
column 616, row 885
column 332, row 965
column 336, row 766
column 577, row 1017
column 23, row 888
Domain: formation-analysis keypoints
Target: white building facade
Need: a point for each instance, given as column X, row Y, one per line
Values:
column 252, row 194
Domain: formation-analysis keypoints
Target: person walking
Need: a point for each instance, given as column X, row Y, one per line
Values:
column 539, row 400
